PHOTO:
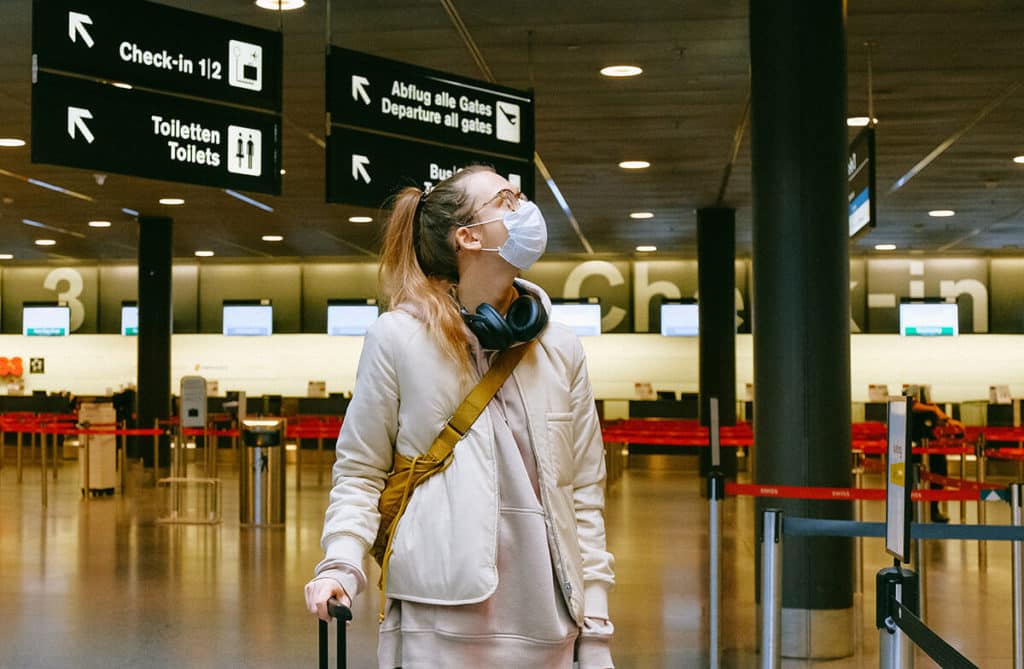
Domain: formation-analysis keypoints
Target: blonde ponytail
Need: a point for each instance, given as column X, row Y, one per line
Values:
column 418, row 265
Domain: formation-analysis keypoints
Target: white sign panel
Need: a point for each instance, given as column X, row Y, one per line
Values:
column 897, row 482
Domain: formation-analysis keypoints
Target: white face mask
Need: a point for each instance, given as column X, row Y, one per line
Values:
column 527, row 236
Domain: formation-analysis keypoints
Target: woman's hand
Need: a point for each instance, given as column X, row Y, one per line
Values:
column 319, row 590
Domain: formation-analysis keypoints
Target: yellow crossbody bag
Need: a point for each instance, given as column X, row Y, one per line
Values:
column 408, row 473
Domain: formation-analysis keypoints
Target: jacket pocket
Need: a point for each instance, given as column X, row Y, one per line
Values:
column 560, row 445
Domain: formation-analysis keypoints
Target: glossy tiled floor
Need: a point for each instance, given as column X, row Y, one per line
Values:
column 100, row 584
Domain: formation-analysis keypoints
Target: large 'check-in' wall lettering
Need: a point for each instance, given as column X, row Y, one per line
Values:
column 989, row 291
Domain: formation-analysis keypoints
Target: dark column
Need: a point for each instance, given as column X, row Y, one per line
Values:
column 716, row 277
column 155, row 309
column 801, row 301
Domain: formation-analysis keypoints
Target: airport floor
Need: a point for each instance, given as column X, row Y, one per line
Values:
column 100, row 584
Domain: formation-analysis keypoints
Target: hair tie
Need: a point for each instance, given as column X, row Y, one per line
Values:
column 416, row 222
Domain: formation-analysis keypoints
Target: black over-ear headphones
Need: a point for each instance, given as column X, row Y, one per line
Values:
column 525, row 320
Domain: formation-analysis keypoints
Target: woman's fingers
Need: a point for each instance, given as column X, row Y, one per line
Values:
column 319, row 591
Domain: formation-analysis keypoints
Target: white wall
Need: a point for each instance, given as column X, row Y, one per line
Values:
column 958, row 369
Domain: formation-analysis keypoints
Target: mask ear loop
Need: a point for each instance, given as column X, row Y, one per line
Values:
column 496, row 249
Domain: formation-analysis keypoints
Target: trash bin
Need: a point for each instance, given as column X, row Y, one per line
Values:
column 261, row 478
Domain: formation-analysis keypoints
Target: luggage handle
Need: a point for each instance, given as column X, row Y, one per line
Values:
column 343, row 614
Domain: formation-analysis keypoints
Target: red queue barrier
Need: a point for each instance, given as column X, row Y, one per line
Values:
column 868, row 437
column 867, row 494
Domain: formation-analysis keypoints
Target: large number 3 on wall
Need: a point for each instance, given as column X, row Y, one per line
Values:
column 69, row 296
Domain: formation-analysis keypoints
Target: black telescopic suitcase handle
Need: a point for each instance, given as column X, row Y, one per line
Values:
column 343, row 614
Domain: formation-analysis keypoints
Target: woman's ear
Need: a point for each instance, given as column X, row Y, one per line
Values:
column 468, row 238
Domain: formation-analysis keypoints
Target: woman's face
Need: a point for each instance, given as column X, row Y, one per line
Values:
column 484, row 190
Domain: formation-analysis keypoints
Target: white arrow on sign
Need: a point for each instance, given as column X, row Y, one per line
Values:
column 357, row 88
column 76, row 24
column 76, row 119
column 359, row 164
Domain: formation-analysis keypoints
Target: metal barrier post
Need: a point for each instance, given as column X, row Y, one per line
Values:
column 85, row 475
column 920, row 557
column 858, row 510
column 123, row 462
column 771, row 590
column 20, row 433
column 42, row 456
column 320, row 461
column 210, row 446
column 979, row 452
column 895, row 650
column 963, row 477
column 156, row 452
column 1018, row 580
column 298, row 460
column 56, row 460
column 716, row 492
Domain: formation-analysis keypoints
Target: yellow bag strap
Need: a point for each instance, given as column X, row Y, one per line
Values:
column 475, row 403
column 456, row 427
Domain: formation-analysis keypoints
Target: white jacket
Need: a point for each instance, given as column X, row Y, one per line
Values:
column 445, row 547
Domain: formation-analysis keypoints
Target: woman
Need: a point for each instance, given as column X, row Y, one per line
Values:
column 499, row 560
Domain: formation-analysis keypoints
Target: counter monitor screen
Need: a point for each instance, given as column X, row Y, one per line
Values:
column 48, row 320
column 129, row 319
column 929, row 319
column 679, row 319
column 583, row 317
column 350, row 319
column 248, row 320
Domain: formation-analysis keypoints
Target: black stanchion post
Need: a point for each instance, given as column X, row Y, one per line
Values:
column 894, row 584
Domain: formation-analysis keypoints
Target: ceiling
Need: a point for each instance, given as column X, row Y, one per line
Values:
column 937, row 67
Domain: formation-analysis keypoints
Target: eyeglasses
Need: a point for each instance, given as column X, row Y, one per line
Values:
column 508, row 198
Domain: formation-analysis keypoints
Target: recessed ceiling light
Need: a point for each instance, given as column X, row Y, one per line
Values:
column 6, row 256
column 172, row 201
column 204, row 254
column 1019, row 160
column 642, row 214
column 11, row 142
column 634, row 164
column 360, row 219
column 272, row 238
column 283, row 171
column 621, row 71
column 885, row 247
column 941, row 213
column 859, row 121
column 121, row 84
column 280, row 5
column 45, row 242
column 99, row 224
column 646, row 249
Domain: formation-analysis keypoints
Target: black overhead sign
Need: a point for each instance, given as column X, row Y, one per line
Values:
column 81, row 123
column 394, row 124
column 861, row 200
column 159, row 47
column 153, row 91
column 365, row 168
